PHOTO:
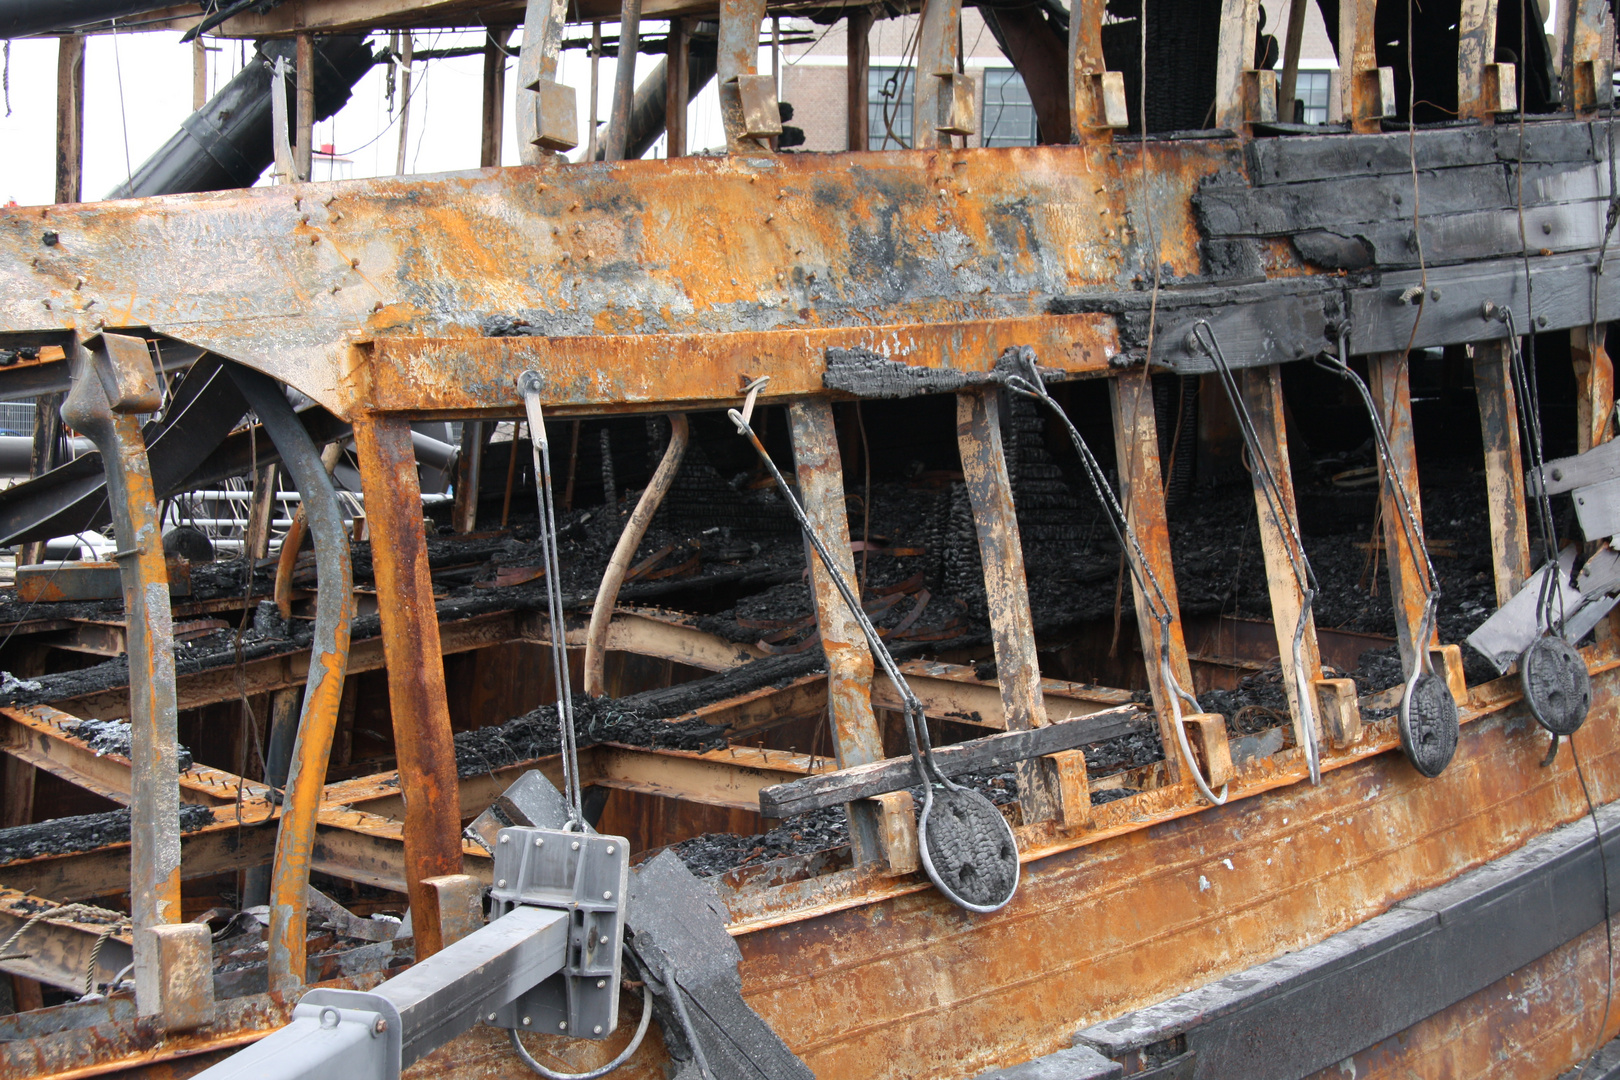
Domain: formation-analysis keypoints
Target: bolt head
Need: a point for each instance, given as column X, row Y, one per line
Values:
column 597, row 1030
column 562, row 1025
column 601, row 984
column 525, row 1021
column 539, row 841
column 381, row 1025
column 607, row 895
column 610, row 849
column 492, row 1018
column 501, row 884
column 504, row 838
column 604, row 939
column 575, row 845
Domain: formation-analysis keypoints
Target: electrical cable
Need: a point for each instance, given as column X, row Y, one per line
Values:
column 1304, row 576
column 1025, row 378
column 915, row 722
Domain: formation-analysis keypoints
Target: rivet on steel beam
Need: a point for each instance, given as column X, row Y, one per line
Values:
column 47, row 304
column 337, row 216
column 574, row 206
column 78, row 283
column 769, row 217
column 329, row 200
column 378, row 306
column 335, row 288
column 303, row 219
column 314, row 240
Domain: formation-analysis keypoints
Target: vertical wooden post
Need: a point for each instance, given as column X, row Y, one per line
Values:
column 261, row 513
column 1504, row 468
column 543, row 22
column 677, row 75
column 16, row 792
column 415, row 662
column 858, row 53
column 469, row 474
column 1594, row 386
column 938, row 41
column 1388, row 379
column 302, row 153
column 69, row 118
column 199, row 73
column 407, row 48
column 1240, row 22
column 1262, row 394
column 856, row 738
column 1476, row 60
column 494, row 111
column 1360, row 100
column 1012, row 630
column 1086, row 67
column 1288, row 87
column 738, row 55
column 1141, row 492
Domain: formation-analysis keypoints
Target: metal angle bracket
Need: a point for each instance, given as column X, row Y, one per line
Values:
column 530, row 800
column 587, row 875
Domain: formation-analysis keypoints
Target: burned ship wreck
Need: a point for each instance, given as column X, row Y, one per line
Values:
column 1132, row 605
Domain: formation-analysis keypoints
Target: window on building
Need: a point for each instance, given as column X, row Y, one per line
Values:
column 888, row 107
column 1009, row 115
column 1311, row 88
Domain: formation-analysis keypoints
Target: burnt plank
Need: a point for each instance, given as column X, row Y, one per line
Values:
column 990, row 752
column 1326, row 157
column 1380, row 322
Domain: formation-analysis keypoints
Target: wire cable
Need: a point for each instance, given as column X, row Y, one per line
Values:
column 1304, row 576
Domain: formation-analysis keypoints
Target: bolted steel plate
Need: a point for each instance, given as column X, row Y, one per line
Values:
column 968, row 849
column 1429, row 725
column 1556, row 684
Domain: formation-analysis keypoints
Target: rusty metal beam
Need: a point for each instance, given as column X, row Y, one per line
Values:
column 410, row 630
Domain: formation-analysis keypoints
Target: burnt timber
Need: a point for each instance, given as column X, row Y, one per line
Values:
column 1378, row 923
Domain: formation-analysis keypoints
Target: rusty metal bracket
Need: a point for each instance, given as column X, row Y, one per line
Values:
column 113, row 379
column 328, row 662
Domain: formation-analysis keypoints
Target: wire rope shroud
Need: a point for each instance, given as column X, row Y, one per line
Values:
column 1428, row 721
column 1018, row 371
column 968, row 851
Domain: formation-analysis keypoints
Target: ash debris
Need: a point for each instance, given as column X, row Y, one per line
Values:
column 114, row 737
column 64, row 836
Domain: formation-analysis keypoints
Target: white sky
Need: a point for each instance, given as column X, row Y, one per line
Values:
column 154, row 95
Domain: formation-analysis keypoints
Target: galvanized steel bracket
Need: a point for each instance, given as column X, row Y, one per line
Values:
column 589, row 876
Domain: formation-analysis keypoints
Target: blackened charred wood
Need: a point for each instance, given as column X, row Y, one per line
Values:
column 976, row 755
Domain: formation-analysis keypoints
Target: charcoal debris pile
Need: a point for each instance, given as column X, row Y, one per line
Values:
column 86, row 832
